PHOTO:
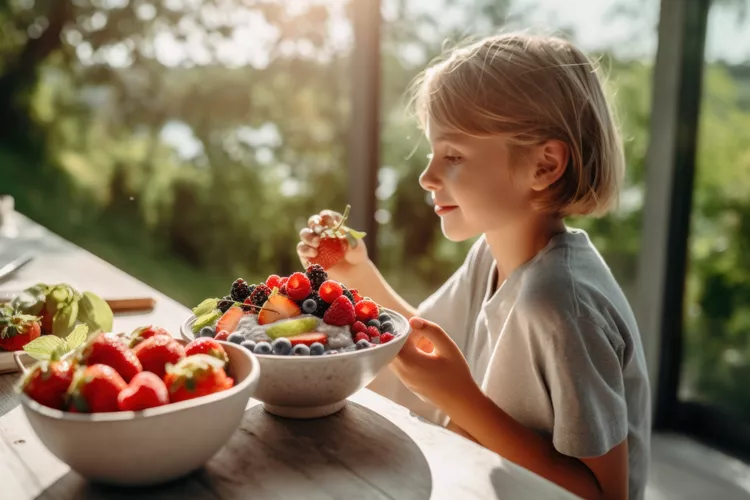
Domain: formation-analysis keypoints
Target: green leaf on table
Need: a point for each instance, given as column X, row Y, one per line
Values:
column 205, row 307
column 41, row 348
column 64, row 319
column 96, row 313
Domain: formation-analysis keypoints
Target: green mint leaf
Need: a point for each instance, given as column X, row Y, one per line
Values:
column 77, row 336
column 96, row 313
column 42, row 347
column 205, row 307
column 64, row 319
column 206, row 320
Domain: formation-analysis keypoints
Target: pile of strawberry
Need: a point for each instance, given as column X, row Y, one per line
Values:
column 110, row 373
column 280, row 298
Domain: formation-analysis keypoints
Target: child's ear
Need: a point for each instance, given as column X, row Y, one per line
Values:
column 552, row 160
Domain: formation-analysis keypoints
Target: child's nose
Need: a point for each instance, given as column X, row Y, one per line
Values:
column 429, row 180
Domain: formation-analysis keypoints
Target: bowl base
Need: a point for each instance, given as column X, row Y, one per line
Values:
column 305, row 412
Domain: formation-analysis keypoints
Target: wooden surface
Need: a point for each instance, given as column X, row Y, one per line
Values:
column 372, row 449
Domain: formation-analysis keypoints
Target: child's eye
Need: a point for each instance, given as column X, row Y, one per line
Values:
column 454, row 159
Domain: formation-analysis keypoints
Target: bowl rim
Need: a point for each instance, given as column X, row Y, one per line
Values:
column 398, row 339
column 252, row 378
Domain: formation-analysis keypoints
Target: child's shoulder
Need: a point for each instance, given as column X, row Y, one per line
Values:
column 570, row 284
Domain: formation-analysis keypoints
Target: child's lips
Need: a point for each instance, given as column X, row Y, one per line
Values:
column 444, row 209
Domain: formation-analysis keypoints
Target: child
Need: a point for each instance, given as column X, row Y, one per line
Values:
column 530, row 348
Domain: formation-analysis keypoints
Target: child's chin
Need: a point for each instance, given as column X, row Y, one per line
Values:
column 455, row 234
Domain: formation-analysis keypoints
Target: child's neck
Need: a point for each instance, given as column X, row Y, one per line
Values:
column 512, row 246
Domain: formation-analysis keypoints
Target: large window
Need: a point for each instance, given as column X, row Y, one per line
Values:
column 716, row 338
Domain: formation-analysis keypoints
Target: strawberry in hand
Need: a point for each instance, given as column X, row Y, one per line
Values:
column 328, row 242
column 17, row 330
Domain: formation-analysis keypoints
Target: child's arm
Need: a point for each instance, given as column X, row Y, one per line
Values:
column 443, row 377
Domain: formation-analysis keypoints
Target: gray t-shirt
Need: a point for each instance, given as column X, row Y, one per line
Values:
column 556, row 347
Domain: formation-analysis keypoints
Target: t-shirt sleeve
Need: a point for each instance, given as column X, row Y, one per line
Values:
column 582, row 368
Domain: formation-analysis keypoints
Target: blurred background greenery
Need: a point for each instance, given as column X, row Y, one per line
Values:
column 187, row 142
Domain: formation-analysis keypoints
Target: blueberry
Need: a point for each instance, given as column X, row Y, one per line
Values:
column 248, row 344
column 236, row 338
column 263, row 348
column 375, row 323
column 386, row 327
column 363, row 344
column 383, row 318
column 309, row 306
column 301, row 350
column 374, row 340
column 282, row 346
column 208, row 331
column 316, row 349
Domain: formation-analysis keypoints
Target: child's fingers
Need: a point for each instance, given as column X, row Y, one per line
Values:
column 309, row 237
column 306, row 251
column 329, row 218
column 433, row 334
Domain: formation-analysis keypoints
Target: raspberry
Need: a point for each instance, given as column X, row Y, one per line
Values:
column 372, row 332
column 317, row 275
column 366, row 310
column 361, row 336
column 356, row 295
column 260, row 295
column 330, row 291
column 298, row 287
column 358, row 326
column 386, row 337
column 240, row 290
column 283, row 290
column 274, row 281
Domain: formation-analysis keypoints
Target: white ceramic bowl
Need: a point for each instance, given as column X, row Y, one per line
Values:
column 318, row 386
column 152, row 446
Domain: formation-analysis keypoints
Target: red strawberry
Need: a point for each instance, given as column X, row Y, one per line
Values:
column 95, row 389
column 48, row 383
column 278, row 307
column 230, row 320
column 146, row 332
column 386, row 337
column 46, row 321
column 356, row 295
column 335, row 242
column 146, row 390
column 298, row 286
column 156, row 352
column 357, row 327
column 341, row 312
column 274, row 281
column 372, row 332
column 366, row 310
column 17, row 330
column 206, row 345
column 361, row 336
column 196, row 376
column 309, row 339
column 108, row 349
column 222, row 335
column 330, row 290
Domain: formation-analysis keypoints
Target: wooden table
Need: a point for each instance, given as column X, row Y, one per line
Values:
column 373, row 448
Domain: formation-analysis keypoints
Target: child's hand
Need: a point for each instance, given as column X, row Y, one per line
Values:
column 307, row 248
column 431, row 364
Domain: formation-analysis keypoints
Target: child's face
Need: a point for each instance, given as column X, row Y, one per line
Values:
column 473, row 184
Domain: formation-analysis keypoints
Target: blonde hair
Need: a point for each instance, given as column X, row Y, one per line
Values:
column 532, row 89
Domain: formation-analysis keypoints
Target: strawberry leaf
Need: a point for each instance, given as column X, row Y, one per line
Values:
column 356, row 234
column 77, row 336
column 42, row 347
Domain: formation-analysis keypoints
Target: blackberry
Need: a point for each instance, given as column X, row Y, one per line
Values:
column 317, row 275
column 349, row 295
column 260, row 294
column 225, row 304
column 322, row 305
column 240, row 290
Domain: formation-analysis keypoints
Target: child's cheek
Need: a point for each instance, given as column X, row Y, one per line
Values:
column 452, row 172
